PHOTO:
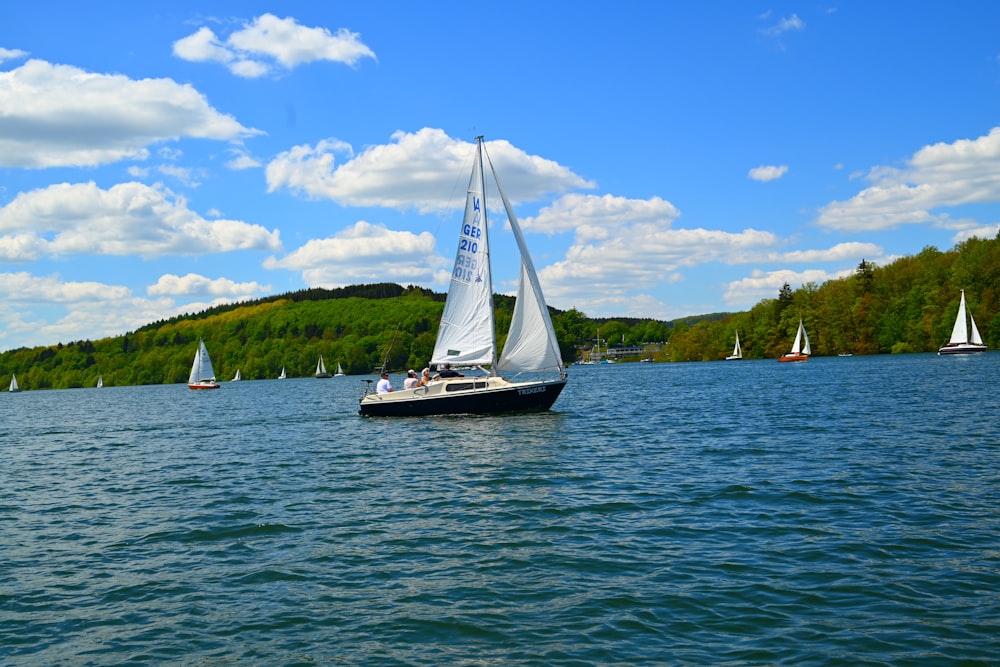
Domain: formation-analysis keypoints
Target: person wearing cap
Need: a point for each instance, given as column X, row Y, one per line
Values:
column 411, row 381
column 425, row 377
column 383, row 386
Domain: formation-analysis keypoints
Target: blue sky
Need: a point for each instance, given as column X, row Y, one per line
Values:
column 665, row 159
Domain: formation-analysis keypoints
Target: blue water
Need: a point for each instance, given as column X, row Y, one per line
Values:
column 843, row 511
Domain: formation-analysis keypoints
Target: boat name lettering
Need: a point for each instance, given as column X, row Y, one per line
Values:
column 471, row 246
column 531, row 390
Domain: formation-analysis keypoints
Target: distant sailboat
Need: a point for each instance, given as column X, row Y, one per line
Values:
column 321, row 369
column 800, row 348
column 13, row 384
column 737, row 351
column 237, row 377
column 282, row 376
column 100, row 381
column 961, row 342
column 340, row 371
column 202, row 374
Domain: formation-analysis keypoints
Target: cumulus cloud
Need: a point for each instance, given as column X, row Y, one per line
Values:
column 416, row 171
column 766, row 284
column 364, row 252
column 765, row 173
column 63, row 116
column 269, row 42
column 194, row 284
column 48, row 308
column 597, row 217
column 941, row 176
column 127, row 219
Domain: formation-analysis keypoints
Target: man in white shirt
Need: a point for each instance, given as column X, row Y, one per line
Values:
column 383, row 386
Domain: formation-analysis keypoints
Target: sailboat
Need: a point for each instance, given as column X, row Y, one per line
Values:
column 961, row 341
column 800, row 348
column 237, row 377
column 100, row 381
column 737, row 350
column 13, row 384
column 340, row 371
column 321, row 369
column 282, row 376
column 202, row 375
column 467, row 335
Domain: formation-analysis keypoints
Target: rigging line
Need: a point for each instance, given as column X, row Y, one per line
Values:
column 385, row 361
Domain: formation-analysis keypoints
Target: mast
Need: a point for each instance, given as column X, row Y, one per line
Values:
column 486, row 237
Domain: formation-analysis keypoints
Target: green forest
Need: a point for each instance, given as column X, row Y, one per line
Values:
column 906, row 306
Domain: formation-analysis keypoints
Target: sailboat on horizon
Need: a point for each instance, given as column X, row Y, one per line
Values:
column 737, row 350
column 202, row 374
column 238, row 376
column 13, row 384
column 321, row 369
column 800, row 348
column 340, row 371
column 964, row 339
column 467, row 334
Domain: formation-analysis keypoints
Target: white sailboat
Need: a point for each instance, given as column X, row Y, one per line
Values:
column 961, row 341
column 321, row 369
column 800, row 348
column 282, row 376
column 100, row 381
column 237, row 377
column 340, row 371
column 202, row 374
column 13, row 384
column 467, row 336
column 737, row 350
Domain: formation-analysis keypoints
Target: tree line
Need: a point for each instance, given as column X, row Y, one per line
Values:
column 906, row 306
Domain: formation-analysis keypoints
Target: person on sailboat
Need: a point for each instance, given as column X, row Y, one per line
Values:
column 425, row 377
column 411, row 381
column 447, row 372
column 383, row 386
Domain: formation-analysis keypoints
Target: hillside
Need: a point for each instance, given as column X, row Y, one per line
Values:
column 906, row 306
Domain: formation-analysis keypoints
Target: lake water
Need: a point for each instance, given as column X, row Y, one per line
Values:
column 842, row 511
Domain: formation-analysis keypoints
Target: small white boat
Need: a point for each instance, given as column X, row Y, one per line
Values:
column 965, row 339
column 13, row 384
column 800, row 348
column 237, row 377
column 321, row 369
column 737, row 351
column 202, row 374
column 100, row 381
column 340, row 371
column 283, row 375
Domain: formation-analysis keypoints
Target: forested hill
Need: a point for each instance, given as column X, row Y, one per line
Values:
column 355, row 326
column 906, row 306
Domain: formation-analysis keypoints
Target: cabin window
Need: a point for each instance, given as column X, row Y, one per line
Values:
column 465, row 386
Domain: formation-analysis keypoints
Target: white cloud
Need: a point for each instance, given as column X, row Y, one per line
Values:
column 792, row 23
column 364, row 253
column 595, row 217
column 194, row 284
column 765, row 173
column 58, row 116
column 127, row 219
column 11, row 54
column 254, row 50
column 936, row 177
column 746, row 292
column 418, row 170
column 47, row 308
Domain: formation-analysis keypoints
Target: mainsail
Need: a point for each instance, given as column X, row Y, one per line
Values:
column 201, row 369
column 466, row 335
